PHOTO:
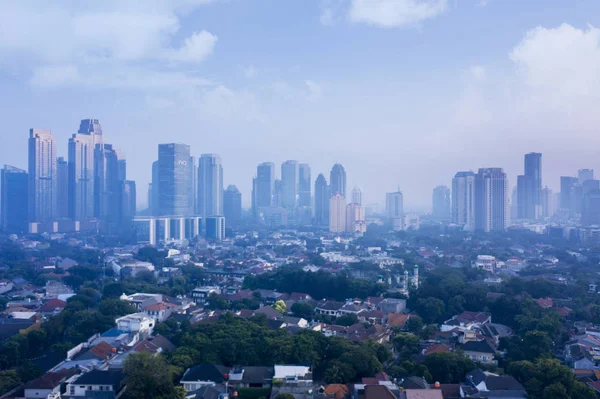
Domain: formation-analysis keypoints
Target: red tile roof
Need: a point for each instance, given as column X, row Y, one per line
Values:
column 103, row 350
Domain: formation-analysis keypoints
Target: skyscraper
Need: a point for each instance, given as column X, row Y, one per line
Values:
column 154, row 210
column 547, row 202
column 463, row 199
column 81, row 169
column 109, row 175
column 42, row 176
column 357, row 196
column 529, row 188
column 174, row 194
column 337, row 180
column 232, row 206
column 441, row 202
column 585, row 174
column 215, row 228
column 394, row 206
column 129, row 200
column 289, row 184
column 321, row 201
column 62, row 188
column 304, row 189
column 15, row 192
column 210, row 185
column 355, row 218
column 264, row 185
column 590, row 212
column 491, row 200
column 337, row 214
column 567, row 194
column 194, row 189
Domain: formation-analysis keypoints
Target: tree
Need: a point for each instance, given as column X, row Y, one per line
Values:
column 347, row 320
column 280, row 306
column 216, row 302
column 449, row 367
column 148, row 377
column 414, row 324
column 304, row 310
column 284, row 396
column 406, row 344
column 431, row 309
column 115, row 307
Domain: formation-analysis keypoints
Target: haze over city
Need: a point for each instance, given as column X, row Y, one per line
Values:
column 402, row 93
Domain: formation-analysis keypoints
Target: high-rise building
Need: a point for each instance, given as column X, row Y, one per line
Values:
column 264, row 185
column 290, row 176
column 491, row 200
column 529, row 188
column 585, row 174
column 355, row 218
column 337, row 214
column 547, row 202
column 129, row 201
column 304, row 189
column 215, row 228
column 463, row 199
column 337, row 180
column 194, row 188
column 441, row 203
column 589, row 185
column 154, row 210
column 394, row 206
column 174, row 180
column 321, row 201
column 15, row 192
column 568, row 194
column 357, row 195
column 109, row 175
column 62, row 188
column 210, row 185
column 232, row 206
column 277, row 194
column 81, row 169
column 42, row 176
column 590, row 212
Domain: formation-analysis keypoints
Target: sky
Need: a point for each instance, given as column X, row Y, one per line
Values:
column 403, row 93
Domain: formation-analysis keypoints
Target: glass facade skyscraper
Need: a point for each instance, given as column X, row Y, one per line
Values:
column 174, row 180
column 304, row 189
column 264, row 185
column 232, row 206
column 463, row 199
column 491, row 200
column 337, row 180
column 210, row 185
column 14, row 190
column 289, row 184
column 321, row 201
column 42, row 176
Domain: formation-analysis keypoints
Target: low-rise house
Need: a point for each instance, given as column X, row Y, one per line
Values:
column 159, row 311
column 392, row 305
column 52, row 307
column 47, row 384
column 396, row 320
column 329, row 308
column 485, row 384
column 479, row 351
column 109, row 382
column 136, row 322
column 335, row 391
column 203, row 375
column 141, row 300
column 251, row 377
column 202, row 293
column 55, row 288
column 466, row 321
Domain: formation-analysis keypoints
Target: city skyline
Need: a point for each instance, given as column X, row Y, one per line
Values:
column 352, row 96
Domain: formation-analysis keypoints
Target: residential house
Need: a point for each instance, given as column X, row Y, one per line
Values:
column 203, row 375
column 202, row 293
column 392, row 305
column 141, row 300
column 485, row 384
column 47, row 384
column 329, row 308
column 396, row 320
column 158, row 311
column 54, row 289
column 136, row 322
column 109, row 382
column 251, row 376
column 52, row 307
column 335, row 391
column 466, row 321
column 479, row 351
column 421, row 394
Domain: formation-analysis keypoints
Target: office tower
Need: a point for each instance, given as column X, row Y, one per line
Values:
column 210, row 185
column 153, row 202
column 355, row 218
column 174, row 180
column 109, row 175
column 81, row 169
column 337, row 214
column 277, row 200
column 321, row 201
column 290, row 176
column 42, row 176
column 567, row 194
column 590, row 212
column 491, row 200
column 441, row 203
column 463, row 199
column 194, row 188
column 394, row 206
column 264, row 185
column 129, row 200
column 304, row 189
column 585, row 174
column 589, row 185
column 529, row 188
column 357, row 195
column 547, row 202
column 232, row 206
column 337, row 180
column 62, row 188
column 15, row 194
column 215, row 228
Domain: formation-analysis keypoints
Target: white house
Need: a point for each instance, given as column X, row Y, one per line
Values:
column 136, row 322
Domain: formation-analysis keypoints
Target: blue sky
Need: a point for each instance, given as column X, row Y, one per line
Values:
column 402, row 92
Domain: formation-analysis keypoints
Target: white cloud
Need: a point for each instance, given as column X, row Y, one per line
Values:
column 477, row 72
column 249, row 71
column 196, row 47
column 395, row 13
column 326, row 17
column 314, row 90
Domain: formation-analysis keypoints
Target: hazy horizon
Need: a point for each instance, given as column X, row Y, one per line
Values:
column 403, row 93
